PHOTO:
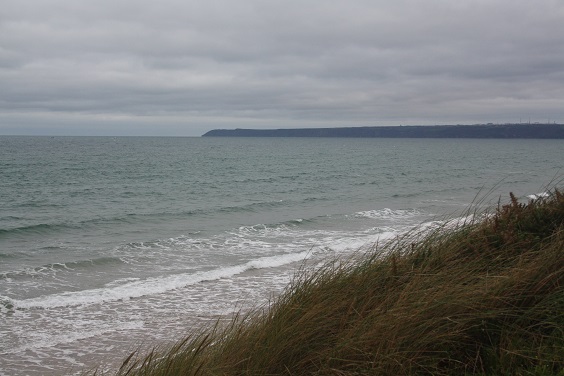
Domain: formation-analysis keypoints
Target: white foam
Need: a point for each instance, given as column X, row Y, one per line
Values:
column 121, row 281
column 354, row 244
column 387, row 213
column 6, row 304
column 150, row 286
column 539, row 195
column 43, row 340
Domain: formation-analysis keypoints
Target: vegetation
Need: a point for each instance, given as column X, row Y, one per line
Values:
column 483, row 297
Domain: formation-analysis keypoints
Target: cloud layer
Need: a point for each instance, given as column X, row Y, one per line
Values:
column 183, row 67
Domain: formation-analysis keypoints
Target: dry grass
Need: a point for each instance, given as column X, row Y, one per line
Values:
column 486, row 297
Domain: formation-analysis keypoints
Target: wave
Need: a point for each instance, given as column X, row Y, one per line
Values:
column 392, row 215
column 133, row 218
column 389, row 214
column 252, row 207
column 291, row 234
column 539, row 195
column 38, row 203
column 149, row 286
column 60, row 266
column 20, row 227
column 278, row 227
column 42, row 340
column 6, row 256
column 49, row 228
column 38, row 229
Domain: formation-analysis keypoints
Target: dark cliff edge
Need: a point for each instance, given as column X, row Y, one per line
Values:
column 542, row 131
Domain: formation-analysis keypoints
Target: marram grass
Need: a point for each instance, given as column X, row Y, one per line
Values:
column 485, row 297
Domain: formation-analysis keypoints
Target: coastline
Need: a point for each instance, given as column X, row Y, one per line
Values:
column 482, row 297
column 509, row 131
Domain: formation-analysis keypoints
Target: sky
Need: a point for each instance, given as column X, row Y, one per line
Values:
column 183, row 67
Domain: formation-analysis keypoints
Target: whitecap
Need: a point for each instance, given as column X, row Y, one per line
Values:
column 150, row 286
column 539, row 195
column 388, row 213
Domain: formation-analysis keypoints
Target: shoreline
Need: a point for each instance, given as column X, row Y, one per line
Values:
column 479, row 131
column 482, row 297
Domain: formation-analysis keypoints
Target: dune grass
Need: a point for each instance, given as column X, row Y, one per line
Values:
column 483, row 297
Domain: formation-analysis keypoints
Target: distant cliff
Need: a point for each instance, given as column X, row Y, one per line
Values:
column 545, row 131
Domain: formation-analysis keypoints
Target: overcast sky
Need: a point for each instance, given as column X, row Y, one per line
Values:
column 182, row 67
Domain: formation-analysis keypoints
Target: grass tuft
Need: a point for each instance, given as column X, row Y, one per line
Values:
column 483, row 297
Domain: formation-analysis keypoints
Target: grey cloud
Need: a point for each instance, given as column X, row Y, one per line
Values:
column 270, row 63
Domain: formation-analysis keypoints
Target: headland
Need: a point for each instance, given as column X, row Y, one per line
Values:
column 519, row 130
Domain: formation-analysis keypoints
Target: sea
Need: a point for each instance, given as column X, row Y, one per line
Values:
column 110, row 245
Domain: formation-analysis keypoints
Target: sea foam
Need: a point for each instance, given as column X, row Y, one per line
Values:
column 149, row 286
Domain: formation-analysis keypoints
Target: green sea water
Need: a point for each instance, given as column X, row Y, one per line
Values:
column 107, row 243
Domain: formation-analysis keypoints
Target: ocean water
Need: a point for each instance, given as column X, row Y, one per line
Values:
column 111, row 244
